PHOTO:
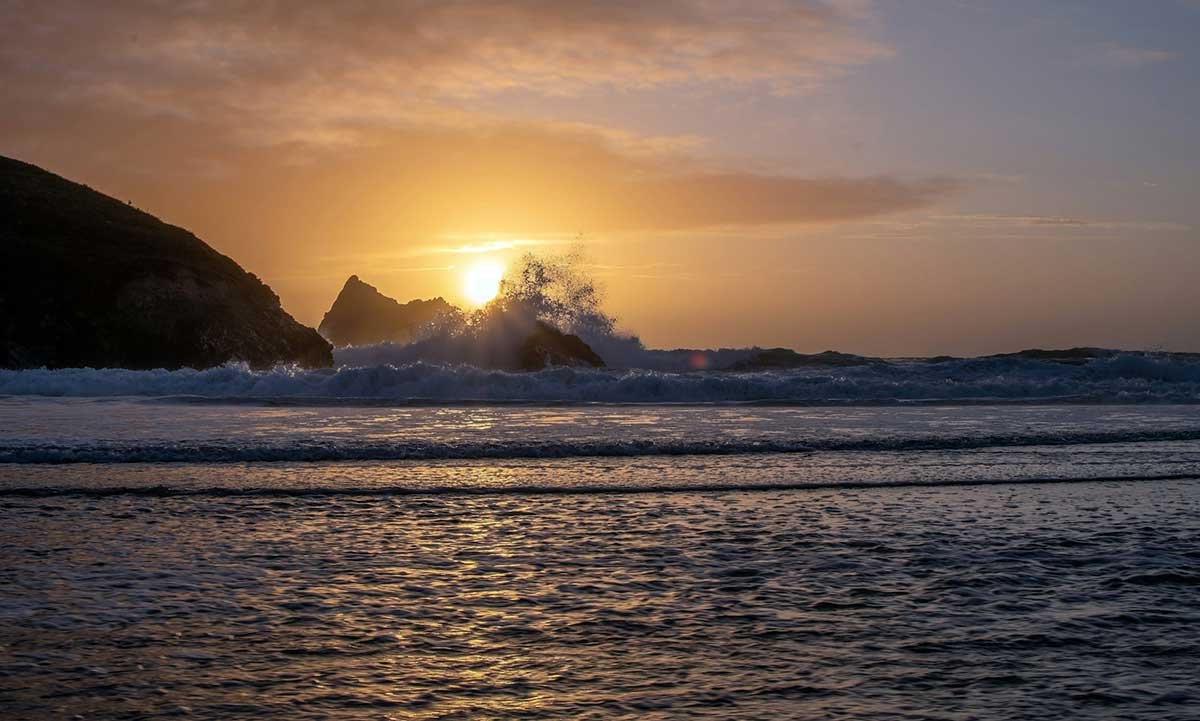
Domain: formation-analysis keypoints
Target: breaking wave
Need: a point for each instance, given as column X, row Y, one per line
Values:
column 1121, row 378
column 315, row 450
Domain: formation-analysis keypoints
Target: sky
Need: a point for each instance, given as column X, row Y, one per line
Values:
column 897, row 177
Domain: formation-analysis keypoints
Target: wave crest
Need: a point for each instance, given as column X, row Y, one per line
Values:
column 1122, row 378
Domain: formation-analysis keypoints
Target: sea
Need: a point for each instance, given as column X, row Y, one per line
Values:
column 978, row 539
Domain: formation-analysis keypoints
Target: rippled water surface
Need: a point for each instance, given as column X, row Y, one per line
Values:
column 486, row 562
column 1044, row 601
column 128, row 430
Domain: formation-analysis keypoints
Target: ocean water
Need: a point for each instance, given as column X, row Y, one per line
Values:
column 1121, row 378
column 418, row 543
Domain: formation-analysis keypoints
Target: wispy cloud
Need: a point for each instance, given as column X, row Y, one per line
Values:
column 987, row 226
column 326, row 272
column 1116, row 55
column 491, row 246
column 992, row 220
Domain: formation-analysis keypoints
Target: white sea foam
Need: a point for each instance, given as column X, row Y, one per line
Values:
column 1123, row 378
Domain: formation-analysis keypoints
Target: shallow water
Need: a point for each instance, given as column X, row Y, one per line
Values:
column 133, row 430
column 1031, row 601
column 485, row 562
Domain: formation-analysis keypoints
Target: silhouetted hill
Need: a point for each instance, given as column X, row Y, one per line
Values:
column 86, row 280
column 361, row 315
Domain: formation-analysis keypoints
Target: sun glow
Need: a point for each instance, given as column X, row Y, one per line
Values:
column 481, row 281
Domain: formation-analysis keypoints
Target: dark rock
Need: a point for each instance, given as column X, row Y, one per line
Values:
column 508, row 335
column 509, row 338
column 89, row 281
column 1068, row 356
column 779, row 358
column 547, row 346
column 1081, row 356
column 361, row 315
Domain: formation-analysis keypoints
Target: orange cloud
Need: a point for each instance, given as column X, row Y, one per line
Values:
column 369, row 98
column 313, row 71
column 287, row 132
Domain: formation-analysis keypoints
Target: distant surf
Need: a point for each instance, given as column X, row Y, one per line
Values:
column 1118, row 378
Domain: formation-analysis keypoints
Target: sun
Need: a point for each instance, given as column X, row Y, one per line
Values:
column 481, row 281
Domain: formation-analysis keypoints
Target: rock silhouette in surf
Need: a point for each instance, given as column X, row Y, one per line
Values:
column 507, row 334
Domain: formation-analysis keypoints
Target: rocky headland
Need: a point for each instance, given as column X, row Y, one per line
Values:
column 89, row 281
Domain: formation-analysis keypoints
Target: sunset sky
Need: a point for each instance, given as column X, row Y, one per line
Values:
column 900, row 177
